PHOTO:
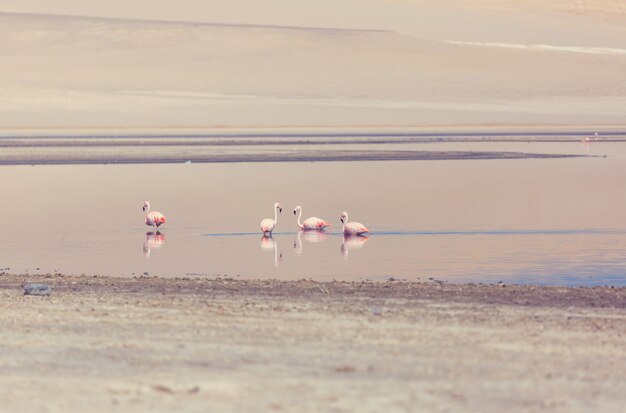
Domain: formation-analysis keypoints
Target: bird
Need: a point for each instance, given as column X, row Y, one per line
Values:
column 154, row 218
column 313, row 223
column 352, row 228
column 268, row 224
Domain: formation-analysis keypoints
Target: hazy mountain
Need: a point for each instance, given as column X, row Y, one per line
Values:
column 75, row 71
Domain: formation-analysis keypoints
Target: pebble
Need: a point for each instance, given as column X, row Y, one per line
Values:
column 376, row 310
column 37, row 289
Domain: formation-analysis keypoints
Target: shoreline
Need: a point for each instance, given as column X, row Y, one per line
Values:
column 435, row 290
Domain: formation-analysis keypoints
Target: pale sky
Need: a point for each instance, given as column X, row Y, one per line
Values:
column 427, row 19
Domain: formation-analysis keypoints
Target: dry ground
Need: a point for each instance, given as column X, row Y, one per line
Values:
column 147, row 344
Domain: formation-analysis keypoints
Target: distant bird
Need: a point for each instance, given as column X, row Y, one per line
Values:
column 353, row 228
column 268, row 224
column 313, row 223
column 596, row 137
column 154, row 218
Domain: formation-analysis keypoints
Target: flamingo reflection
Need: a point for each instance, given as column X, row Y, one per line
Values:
column 309, row 236
column 352, row 242
column 268, row 243
column 154, row 240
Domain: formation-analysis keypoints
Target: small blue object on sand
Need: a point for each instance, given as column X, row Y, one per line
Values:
column 37, row 289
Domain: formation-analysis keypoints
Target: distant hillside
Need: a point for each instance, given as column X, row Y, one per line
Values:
column 74, row 71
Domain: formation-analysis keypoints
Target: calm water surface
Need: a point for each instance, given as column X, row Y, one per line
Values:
column 552, row 221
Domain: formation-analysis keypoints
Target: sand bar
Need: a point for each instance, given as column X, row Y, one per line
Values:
column 269, row 146
column 117, row 156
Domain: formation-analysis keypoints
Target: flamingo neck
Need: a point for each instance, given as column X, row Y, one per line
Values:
column 299, row 216
column 344, row 223
column 147, row 209
column 275, row 215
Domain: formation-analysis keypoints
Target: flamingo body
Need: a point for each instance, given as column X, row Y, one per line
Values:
column 353, row 228
column 310, row 224
column 314, row 223
column 153, row 218
column 268, row 224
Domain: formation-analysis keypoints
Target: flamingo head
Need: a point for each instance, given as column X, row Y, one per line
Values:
column 146, row 206
column 344, row 217
column 297, row 209
column 278, row 207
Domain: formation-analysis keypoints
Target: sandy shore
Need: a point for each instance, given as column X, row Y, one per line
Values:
column 148, row 344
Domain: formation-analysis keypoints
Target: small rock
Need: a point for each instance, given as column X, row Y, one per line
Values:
column 162, row 389
column 37, row 289
column 345, row 369
column 376, row 310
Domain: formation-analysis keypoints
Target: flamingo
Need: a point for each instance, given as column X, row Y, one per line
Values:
column 154, row 218
column 313, row 223
column 268, row 224
column 353, row 228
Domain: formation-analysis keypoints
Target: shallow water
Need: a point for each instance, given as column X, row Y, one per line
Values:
column 543, row 221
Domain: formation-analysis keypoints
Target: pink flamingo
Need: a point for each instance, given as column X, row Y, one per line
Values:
column 353, row 228
column 154, row 218
column 268, row 224
column 313, row 223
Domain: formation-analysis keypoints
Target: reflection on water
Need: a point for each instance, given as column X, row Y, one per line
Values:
column 352, row 242
column 154, row 240
column 312, row 236
column 555, row 221
column 268, row 243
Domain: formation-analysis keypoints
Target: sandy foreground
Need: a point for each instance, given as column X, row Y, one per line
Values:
column 149, row 344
